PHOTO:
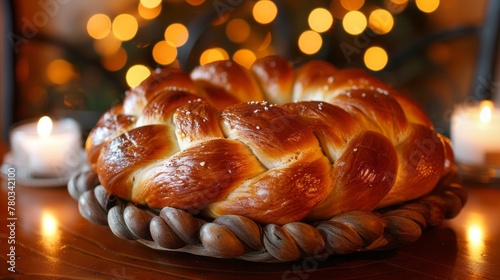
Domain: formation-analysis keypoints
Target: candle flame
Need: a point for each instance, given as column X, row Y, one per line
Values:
column 44, row 127
column 486, row 108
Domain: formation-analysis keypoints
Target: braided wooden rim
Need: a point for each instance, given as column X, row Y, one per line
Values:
column 239, row 237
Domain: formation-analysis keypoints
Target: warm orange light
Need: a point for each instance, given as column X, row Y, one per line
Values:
column 214, row 54
column 50, row 233
column 237, row 30
column 244, row 57
column 475, row 238
column 148, row 13
column 177, row 34
column 125, row 27
column 427, row 6
column 486, row 111
column 352, row 5
column 49, row 225
column 107, row 45
column 310, row 42
column 136, row 74
column 375, row 58
column 164, row 52
column 44, row 126
column 99, row 26
column 150, row 4
column 264, row 11
column 320, row 20
column 115, row 61
column 380, row 21
column 475, row 235
column 396, row 6
column 354, row 22
column 60, row 71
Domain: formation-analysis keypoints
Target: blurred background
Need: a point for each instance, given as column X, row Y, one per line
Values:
column 76, row 58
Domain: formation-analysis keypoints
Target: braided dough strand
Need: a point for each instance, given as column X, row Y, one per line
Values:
column 274, row 143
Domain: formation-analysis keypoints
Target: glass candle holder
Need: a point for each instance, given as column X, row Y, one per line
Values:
column 475, row 134
column 46, row 148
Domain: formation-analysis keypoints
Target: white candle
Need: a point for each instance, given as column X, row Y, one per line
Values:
column 46, row 148
column 475, row 134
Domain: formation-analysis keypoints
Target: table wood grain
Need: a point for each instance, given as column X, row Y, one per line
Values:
column 52, row 241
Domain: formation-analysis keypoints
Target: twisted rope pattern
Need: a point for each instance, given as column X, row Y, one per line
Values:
column 234, row 236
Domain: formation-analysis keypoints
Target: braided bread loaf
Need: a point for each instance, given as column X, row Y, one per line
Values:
column 274, row 143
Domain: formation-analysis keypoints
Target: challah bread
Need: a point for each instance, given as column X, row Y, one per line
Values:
column 275, row 143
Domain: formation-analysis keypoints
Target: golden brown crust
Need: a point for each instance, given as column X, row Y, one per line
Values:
column 169, row 79
column 194, row 122
column 273, row 134
column 197, row 176
column 421, row 163
column 279, row 195
column 276, row 76
column 121, row 158
column 226, row 83
column 331, row 125
column 339, row 141
column 112, row 124
column 362, row 176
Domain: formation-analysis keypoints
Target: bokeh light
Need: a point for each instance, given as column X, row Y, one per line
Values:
column 177, row 34
column 115, row 61
column 352, row 5
column 320, row 20
column 244, row 57
column 264, row 11
column 150, row 4
column 380, row 21
column 310, row 42
column 149, row 13
column 107, row 45
column 395, row 6
column 60, row 71
column 237, row 30
column 375, row 58
column 164, row 52
column 354, row 22
column 99, row 26
column 125, row 27
column 213, row 54
column 136, row 74
column 427, row 6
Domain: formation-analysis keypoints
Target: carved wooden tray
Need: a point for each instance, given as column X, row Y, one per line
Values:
column 239, row 237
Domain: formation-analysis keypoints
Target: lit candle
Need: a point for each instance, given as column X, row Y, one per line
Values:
column 475, row 133
column 46, row 148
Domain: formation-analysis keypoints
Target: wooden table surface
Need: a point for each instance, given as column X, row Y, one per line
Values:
column 52, row 241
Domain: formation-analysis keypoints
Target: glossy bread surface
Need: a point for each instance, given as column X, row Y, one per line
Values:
column 273, row 143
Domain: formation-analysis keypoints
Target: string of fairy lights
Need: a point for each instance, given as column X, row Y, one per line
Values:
column 109, row 34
